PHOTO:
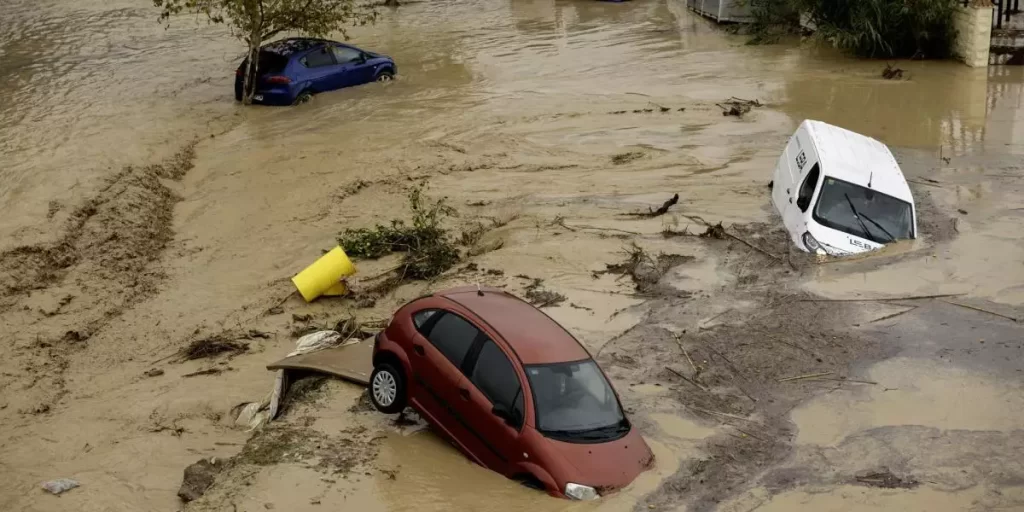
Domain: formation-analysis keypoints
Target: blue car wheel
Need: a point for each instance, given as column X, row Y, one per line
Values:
column 303, row 97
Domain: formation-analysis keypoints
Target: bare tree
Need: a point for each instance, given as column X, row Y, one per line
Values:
column 256, row 21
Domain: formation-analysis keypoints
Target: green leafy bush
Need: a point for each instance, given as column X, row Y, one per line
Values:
column 429, row 250
column 868, row 28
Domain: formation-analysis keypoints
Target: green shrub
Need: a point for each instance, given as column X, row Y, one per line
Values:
column 428, row 249
column 868, row 28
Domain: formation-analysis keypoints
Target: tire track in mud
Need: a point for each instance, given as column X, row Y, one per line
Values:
column 54, row 297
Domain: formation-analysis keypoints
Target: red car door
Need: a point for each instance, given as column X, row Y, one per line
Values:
column 491, row 399
column 436, row 359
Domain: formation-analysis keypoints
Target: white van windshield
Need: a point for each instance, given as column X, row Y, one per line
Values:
column 863, row 212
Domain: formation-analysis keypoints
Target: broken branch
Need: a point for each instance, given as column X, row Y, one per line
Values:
column 725, row 415
column 681, row 376
column 662, row 210
column 747, row 433
column 886, row 299
column 808, row 376
column 712, row 231
column 1000, row 315
column 793, row 345
column 561, row 222
column 919, row 182
column 680, row 345
column 855, row 381
column 894, row 315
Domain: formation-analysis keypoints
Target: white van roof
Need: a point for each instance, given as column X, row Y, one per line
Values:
column 858, row 159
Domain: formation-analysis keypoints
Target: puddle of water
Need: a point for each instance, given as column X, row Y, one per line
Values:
column 912, row 392
column 666, row 463
column 850, row 498
column 679, row 427
column 433, row 476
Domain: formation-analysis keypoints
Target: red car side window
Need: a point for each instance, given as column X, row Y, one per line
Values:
column 453, row 336
column 495, row 377
column 421, row 319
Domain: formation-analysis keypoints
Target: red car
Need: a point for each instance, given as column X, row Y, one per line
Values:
column 511, row 388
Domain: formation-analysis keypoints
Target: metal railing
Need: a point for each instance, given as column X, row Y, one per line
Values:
column 1003, row 11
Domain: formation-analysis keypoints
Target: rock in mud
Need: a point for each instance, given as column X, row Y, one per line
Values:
column 885, row 479
column 198, row 478
column 60, row 485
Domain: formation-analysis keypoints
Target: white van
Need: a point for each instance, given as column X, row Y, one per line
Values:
column 840, row 192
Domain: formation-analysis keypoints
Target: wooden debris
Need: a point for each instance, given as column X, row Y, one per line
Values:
column 662, row 210
column 792, row 345
column 886, row 299
column 560, row 221
column 681, row 376
column 894, row 315
column 975, row 308
column 725, row 415
column 854, row 381
column 208, row 371
column 885, row 479
column 808, row 376
column 696, row 371
column 737, row 106
column 892, row 73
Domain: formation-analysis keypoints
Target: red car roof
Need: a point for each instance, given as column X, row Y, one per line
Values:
column 535, row 337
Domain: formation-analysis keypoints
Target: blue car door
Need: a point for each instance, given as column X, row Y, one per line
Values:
column 320, row 70
column 353, row 65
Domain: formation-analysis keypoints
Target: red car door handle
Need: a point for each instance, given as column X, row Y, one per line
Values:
column 464, row 393
column 418, row 349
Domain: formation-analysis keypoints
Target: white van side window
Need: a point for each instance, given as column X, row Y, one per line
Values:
column 803, row 200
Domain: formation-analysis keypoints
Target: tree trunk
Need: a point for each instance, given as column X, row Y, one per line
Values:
column 251, row 71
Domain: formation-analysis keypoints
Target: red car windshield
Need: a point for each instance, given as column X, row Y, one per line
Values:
column 574, row 402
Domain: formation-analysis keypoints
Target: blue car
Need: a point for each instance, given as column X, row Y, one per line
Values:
column 292, row 70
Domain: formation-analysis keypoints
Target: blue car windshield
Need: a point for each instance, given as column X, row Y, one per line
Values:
column 574, row 401
column 863, row 212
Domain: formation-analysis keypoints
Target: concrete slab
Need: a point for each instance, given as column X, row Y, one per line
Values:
column 353, row 363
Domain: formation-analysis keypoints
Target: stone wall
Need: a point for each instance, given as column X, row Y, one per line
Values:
column 974, row 33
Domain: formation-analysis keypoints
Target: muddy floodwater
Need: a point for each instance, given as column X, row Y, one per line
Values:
column 141, row 209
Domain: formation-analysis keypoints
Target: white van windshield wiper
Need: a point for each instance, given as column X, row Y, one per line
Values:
column 856, row 215
column 863, row 226
column 869, row 219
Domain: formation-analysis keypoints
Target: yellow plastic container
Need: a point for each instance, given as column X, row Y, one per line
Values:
column 336, row 290
column 324, row 275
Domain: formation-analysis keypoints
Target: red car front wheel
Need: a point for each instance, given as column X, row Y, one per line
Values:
column 387, row 389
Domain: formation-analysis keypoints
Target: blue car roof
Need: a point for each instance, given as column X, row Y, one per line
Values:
column 286, row 47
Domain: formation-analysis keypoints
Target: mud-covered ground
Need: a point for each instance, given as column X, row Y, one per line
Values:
column 762, row 378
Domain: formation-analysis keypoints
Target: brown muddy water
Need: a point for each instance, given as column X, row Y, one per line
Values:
column 513, row 110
